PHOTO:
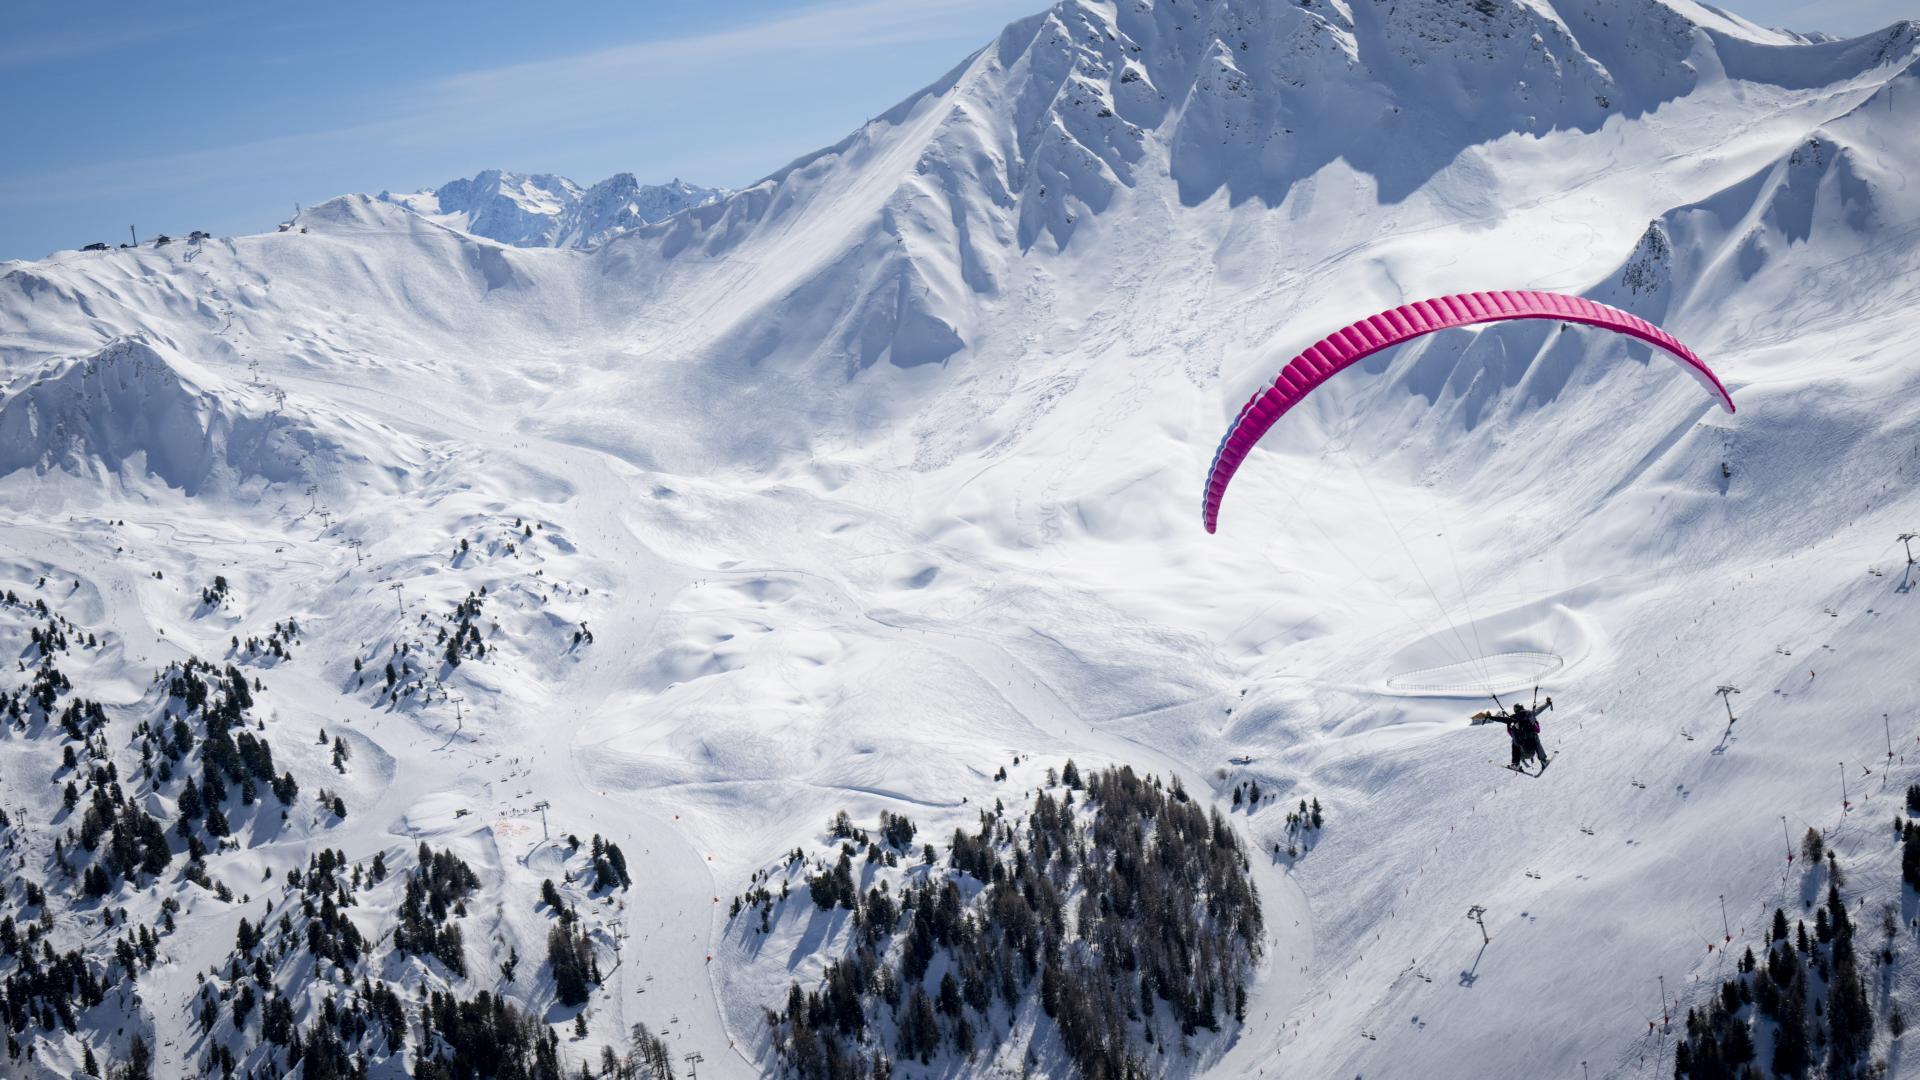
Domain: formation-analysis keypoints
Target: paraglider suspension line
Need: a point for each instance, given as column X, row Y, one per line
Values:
column 1473, row 624
column 1474, row 662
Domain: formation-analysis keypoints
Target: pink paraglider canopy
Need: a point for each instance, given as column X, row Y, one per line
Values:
column 1350, row 344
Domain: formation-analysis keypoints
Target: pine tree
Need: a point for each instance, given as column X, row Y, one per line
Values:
column 569, row 956
column 619, row 863
column 1791, row 1052
column 1842, row 923
column 1850, row 1017
column 139, row 1064
column 1737, row 1049
column 1910, row 855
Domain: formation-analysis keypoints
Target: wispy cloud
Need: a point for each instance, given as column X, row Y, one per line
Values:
column 821, row 30
column 24, row 49
column 1844, row 17
column 580, row 91
column 260, row 157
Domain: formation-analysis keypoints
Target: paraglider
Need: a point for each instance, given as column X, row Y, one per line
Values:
column 1523, row 730
column 1348, row 345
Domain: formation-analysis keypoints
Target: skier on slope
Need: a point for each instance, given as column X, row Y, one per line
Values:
column 1523, row 729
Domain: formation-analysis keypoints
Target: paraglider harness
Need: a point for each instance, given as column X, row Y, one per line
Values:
column 1523, row 726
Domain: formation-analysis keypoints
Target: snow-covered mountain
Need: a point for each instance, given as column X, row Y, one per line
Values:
column 543, row 210
column 873, row 487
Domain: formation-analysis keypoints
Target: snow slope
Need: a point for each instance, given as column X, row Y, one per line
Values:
column 886, row 468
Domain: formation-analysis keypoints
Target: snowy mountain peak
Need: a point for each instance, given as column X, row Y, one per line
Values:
column 865, row 494
column 913, row 219
column 126, row 413
column 544, row 210
column 495, row 190
column 1650, row 269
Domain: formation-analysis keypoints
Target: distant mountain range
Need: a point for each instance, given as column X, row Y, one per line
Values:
column 544, row 210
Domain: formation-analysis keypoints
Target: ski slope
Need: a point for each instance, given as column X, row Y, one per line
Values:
column 887, row 468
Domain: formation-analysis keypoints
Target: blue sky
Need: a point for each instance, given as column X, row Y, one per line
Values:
column 221, row 115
